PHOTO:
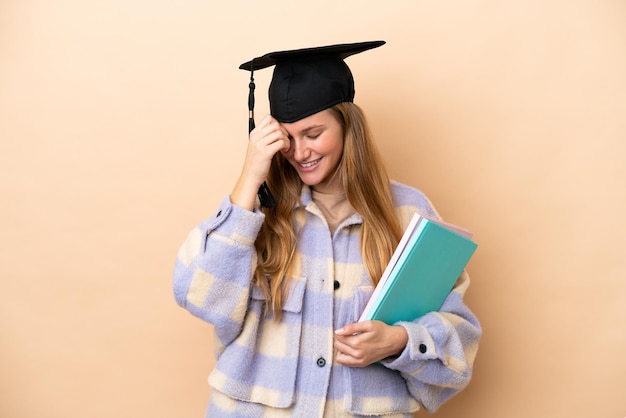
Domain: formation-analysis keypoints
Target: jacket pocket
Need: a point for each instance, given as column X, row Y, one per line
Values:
column 260, row 364
column 295, row 296
column 377, row 390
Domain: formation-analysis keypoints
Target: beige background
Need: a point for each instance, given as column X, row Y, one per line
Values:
column 123, row 124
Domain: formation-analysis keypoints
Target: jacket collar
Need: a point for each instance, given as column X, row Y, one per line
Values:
column 310, row 206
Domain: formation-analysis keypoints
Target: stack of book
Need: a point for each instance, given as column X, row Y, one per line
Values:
column 430, row 257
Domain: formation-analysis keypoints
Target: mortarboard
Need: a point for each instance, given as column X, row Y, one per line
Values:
column 305, row 81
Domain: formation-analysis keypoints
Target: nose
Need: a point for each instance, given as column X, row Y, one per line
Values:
column 300, row 151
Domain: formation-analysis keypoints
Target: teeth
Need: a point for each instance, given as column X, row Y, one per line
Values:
column 306, row 165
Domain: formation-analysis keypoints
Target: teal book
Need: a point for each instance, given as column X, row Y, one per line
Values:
column 422, row 271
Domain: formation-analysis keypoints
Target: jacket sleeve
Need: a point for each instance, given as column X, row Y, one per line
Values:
column 215, row 266
column 438, row 359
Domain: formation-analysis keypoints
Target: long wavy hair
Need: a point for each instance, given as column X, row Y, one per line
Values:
column 368, row 189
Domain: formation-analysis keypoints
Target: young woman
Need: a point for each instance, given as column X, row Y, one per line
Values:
column 284, row 286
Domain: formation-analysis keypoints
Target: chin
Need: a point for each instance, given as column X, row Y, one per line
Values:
column 310, row 183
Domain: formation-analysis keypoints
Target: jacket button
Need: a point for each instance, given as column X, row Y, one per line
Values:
column 336, row 285
column 423, row 348
column 321, row 362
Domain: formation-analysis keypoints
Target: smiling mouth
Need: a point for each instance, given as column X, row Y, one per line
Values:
column 310, row 164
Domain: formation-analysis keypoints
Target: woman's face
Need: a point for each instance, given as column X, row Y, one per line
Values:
column 316, row 149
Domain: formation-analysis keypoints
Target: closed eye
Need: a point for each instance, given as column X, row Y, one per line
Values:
column 314, row 135
column 313, row 132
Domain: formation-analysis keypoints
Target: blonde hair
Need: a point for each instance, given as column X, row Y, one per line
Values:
column 368, row 189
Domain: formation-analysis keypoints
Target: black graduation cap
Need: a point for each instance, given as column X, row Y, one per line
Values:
column 305, row 81
column 309, row 80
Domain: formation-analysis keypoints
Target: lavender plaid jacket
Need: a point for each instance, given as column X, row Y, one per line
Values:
column 265, row 368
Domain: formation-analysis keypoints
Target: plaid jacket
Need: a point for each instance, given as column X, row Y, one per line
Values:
column 287, row 368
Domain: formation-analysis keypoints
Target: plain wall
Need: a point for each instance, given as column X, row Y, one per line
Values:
column 123, row 124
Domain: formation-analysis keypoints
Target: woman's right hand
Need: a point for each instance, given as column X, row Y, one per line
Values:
column 266, row 139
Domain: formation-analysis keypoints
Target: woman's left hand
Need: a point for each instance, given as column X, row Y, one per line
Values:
column 363, row 343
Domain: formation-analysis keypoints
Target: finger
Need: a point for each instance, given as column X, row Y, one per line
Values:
column 267, row 119
column 355, row 328
column 270, row 124
column 344, row 359
column 348, row 349
column 271, row 133
column 266, row 125
column 276, row 137
column 268, row 143
column 280, row 144
column 350, row 361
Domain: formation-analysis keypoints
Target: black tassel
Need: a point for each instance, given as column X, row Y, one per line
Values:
column 265, row 196
column 251, row 103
